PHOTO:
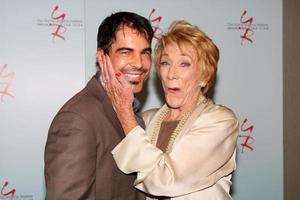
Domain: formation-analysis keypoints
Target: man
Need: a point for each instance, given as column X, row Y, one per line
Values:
column 78, row 159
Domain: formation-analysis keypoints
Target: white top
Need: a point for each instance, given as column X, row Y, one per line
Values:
column 201, row 161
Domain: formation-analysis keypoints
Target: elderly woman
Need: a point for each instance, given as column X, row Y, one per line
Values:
column 188, row 148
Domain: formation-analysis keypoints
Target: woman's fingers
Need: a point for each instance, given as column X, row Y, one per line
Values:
column 114, row 82
column 122, row 80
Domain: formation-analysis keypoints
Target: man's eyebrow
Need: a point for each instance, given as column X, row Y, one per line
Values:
column 124, row 49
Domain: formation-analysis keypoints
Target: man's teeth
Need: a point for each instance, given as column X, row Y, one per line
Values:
column 132, row 75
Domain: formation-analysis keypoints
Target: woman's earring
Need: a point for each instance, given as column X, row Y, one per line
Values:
column 202, row 84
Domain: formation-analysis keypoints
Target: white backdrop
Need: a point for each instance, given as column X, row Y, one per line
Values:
column 48, row 51
column 47, row 60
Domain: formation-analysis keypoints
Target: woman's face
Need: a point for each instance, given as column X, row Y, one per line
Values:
column 180, row 75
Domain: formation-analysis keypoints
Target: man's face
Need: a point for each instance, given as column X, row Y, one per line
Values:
column 130, row 53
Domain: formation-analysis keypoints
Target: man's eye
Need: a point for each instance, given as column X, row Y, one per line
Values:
column 146, row 53
column 124, row 52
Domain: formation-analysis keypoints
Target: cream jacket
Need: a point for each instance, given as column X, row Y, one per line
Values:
column 201, row 161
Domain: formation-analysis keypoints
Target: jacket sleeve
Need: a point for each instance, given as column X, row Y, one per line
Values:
column 70, row 158
column 201, row 157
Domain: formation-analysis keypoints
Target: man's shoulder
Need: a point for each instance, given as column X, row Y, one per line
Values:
column 86, row 102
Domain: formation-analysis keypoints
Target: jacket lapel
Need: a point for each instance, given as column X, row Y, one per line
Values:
column 98, row 91
column 112, row 116
column 187, row 126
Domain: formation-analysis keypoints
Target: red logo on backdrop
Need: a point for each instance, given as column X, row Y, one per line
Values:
column 155, row 22
column 6, row 82
column 58, row 23
column 246, row 136
column 6, row 192
column 248, row 29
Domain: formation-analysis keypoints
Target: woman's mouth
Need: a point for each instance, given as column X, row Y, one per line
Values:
column 173, row 89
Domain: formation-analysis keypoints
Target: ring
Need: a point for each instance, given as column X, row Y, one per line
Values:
column 103, row 79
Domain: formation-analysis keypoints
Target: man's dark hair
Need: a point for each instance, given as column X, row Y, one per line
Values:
column 109, row 27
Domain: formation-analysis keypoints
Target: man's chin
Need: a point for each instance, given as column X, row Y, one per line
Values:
column 137, row 87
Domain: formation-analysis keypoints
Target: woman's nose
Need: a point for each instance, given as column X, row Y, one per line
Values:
column 172, row 73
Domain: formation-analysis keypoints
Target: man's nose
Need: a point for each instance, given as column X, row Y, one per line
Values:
column 137, row 61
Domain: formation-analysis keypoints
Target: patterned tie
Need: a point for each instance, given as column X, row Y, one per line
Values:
column 137, row 113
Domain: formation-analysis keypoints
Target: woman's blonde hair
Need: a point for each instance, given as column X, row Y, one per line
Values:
column 185, row 35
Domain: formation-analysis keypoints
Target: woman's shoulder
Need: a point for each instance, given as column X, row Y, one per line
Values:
column 218, row 112
column 216, row 117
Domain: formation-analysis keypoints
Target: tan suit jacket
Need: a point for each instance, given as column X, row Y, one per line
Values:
column 78, row 160
column 200, row 163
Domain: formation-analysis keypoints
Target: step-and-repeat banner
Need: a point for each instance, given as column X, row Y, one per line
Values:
column 48, row 52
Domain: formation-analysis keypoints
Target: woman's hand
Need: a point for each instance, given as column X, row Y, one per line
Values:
column 119, row 91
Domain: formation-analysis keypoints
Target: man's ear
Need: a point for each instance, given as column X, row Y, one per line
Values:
column 100, row 55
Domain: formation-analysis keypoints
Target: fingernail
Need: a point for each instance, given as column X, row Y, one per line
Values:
column 118, row 74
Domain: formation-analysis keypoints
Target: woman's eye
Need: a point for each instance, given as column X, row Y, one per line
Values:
column 185, row 64
column 164, row 63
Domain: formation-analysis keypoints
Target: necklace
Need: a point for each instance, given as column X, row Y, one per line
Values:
column 179, row 126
